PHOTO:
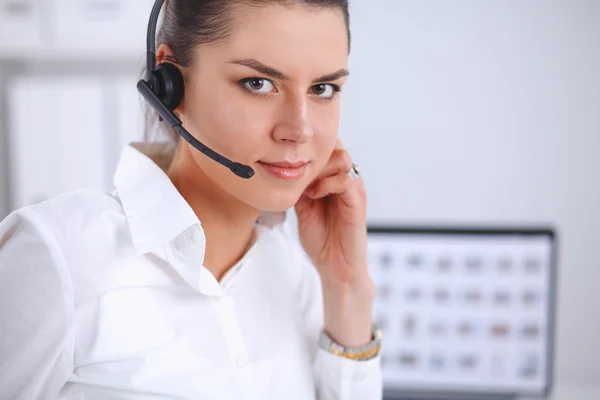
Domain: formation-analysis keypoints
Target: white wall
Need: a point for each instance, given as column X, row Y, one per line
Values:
column 487, row 112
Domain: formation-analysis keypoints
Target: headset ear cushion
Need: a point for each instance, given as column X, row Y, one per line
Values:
column 170, row 85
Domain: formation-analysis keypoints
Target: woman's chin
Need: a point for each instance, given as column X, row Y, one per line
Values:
column 280, row 202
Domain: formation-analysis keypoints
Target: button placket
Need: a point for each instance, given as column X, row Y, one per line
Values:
column 233, row 336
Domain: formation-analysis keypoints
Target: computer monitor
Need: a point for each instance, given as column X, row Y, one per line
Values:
column 465, row 312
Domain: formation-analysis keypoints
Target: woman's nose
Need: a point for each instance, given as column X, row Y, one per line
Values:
column 294, row 125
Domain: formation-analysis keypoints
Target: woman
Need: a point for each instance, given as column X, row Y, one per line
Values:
column 173, row 286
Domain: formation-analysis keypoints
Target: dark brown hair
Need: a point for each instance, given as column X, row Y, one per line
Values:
column 188, row 23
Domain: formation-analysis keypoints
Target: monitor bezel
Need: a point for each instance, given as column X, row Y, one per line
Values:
column 548, row 231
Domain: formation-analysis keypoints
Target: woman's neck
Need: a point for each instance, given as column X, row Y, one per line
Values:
column 228, row 223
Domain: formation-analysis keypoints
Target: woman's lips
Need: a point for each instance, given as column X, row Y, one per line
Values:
column 287, row 171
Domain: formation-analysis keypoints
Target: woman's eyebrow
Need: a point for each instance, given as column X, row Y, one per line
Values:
column 334, row 76
column 274, row 73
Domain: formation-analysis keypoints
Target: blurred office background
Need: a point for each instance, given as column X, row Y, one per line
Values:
column 464, row 112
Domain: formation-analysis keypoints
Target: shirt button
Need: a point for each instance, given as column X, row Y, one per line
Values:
column 358, row 376
column 241, row 361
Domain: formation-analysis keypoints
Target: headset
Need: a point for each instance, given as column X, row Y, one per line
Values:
column 162, row 87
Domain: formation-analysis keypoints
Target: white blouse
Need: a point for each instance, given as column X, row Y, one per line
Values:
column 104, row 296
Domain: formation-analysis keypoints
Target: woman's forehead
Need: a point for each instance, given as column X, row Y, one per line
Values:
column 293, row 39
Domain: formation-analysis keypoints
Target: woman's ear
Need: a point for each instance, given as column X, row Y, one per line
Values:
column 165, row 54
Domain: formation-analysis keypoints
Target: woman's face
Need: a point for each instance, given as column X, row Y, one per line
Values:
column 268, row 95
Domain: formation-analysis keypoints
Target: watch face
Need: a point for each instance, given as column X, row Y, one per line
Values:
column 377, row 332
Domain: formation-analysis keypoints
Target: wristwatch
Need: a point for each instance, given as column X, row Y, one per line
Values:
column 363, row 353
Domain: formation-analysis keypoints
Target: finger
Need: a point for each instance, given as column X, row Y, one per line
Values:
column 340, row 161
column 336, row 184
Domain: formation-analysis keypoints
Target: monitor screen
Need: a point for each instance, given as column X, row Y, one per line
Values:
column 464, row 310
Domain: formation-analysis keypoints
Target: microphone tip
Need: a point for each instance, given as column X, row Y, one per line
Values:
column 241, row 170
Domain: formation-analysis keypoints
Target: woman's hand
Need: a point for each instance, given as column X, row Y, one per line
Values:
column 333, row 231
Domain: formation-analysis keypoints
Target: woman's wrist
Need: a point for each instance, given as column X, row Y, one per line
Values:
column 348, row 312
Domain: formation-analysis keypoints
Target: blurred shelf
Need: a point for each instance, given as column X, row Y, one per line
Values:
column 77, row 55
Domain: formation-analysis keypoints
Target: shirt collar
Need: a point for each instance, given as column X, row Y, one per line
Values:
column 155, row 210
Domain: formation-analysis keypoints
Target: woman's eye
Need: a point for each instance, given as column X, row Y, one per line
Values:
column 326, row 91
column 258, row 85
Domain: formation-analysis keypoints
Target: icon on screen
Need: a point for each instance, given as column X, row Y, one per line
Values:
column 467, row 362
column 473, row 296
column 500, row 330
column 529, row 366
column 533, row 265
column 474, row 264
column 531, row 297
column 437, row 362
column 414, row 261
column 408, row 359
column 385, row 260
column 444, row 264
column 409, row 325
column 466, row 329
column 502, row 297
column 530, row 331
column 384, row 292
column 505, row 264
column 441, row 295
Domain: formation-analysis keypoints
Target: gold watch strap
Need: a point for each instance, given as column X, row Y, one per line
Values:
column 363, row 353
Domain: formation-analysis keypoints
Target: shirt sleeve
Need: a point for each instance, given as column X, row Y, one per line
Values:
column 36, row 310
column 337, row 378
